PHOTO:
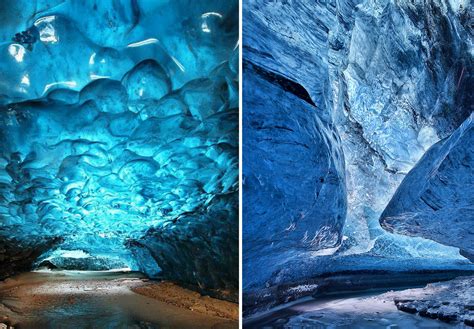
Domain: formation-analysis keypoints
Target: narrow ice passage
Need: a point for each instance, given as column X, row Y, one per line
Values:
column 372, row 96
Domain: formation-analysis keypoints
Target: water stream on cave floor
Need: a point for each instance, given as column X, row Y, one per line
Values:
column 91, row 299
column 362, row 310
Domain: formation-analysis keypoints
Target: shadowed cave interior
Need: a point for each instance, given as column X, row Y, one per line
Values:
column 359, row 177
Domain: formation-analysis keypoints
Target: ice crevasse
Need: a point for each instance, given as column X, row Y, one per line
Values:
column 367, row 105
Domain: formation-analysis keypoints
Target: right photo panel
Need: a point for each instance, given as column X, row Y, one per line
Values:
column 358, row 158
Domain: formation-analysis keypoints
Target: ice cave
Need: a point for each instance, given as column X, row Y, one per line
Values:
column 119, row 143
column 358, row 163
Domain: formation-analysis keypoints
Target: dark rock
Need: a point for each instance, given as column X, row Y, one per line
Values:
column 448, row 301
column 17, row 257
column 447, row 317
column 431, row 313
column 469, row 321
column 407, row 307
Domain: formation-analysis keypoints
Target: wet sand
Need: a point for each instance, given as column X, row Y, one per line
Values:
column 96, row 300
column 170, row 293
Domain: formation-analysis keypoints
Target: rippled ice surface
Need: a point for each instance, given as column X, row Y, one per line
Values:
column 116, row 117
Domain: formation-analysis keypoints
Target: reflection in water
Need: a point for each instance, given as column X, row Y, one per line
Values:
column 356, row 311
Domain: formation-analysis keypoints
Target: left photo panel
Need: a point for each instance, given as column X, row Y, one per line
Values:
column 119, row 164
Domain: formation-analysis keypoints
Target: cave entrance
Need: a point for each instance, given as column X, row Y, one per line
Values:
column 80, row 260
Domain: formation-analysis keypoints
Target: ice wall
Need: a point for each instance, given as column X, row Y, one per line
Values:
column 117, row 126
column 392, row 78
column 402, row 86
column 435, row 200
column 293, row 178
column 198, row 248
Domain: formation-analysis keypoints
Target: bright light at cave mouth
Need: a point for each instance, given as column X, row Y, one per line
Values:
column 112, row 161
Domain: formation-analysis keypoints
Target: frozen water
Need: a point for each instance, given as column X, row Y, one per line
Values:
column 189, row 39
column 287, row 212
column 78, row 259
column 118, row 124
column 198, row 247
column 450, row 302
column 435, row 200
column 391, row 79
column 359, row 66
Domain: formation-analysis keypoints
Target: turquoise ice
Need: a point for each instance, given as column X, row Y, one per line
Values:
column 120, row 119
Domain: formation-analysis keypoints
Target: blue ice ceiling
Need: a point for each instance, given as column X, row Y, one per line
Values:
column 119, row 120
column 343, row 101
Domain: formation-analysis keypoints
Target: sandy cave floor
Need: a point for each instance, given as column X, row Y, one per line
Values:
column 71, row 299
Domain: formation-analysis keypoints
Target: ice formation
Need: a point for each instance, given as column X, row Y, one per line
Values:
column 118, row 127
column 436, row 199
column 449, row 302
column 293, row 175
column 391, row 78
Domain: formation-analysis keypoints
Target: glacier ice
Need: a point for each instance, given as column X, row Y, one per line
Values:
column 79, row 259
column 392, row 78
column 181, row 35
column 197, row 245
column 287, row 212
column 435, row 199
column 449, row 302
column 119, row 128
